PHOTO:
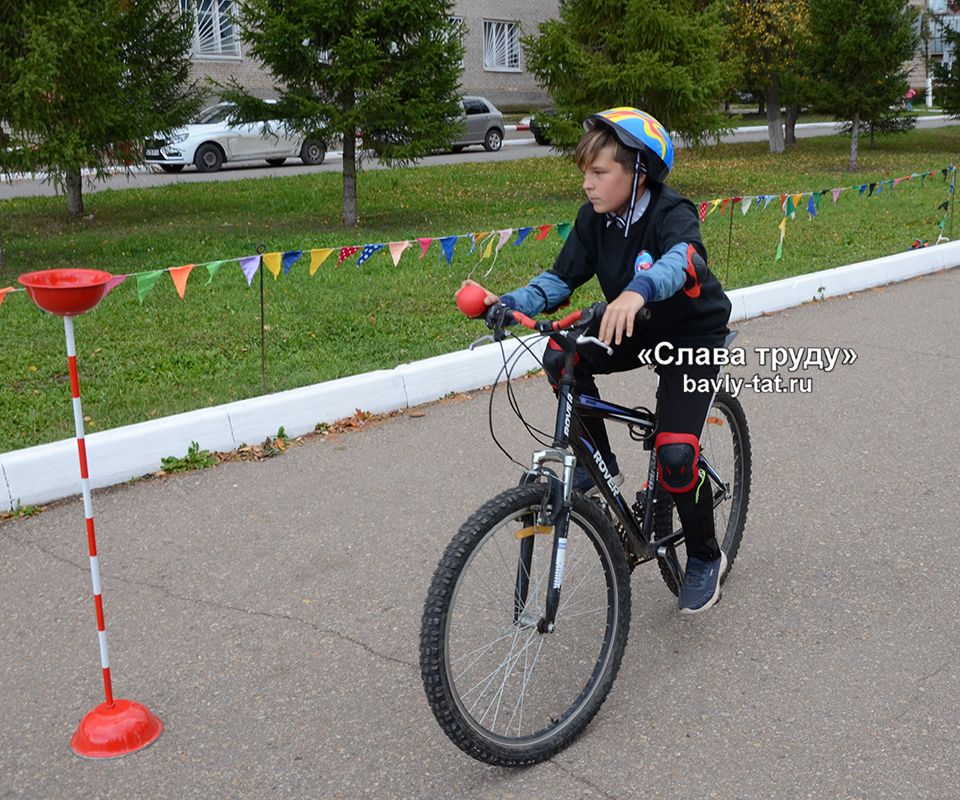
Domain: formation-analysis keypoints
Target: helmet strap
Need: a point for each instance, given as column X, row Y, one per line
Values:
column 633, row 196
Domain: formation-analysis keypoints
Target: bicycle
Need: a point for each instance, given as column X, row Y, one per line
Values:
column 542, row 570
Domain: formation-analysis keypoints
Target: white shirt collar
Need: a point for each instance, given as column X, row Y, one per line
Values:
column 638, row 212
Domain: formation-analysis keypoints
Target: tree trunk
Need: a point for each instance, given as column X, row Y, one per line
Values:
column 854, row 141
column 73, row 183
column 774, row 120
column 350, row 179
column 793, row 114
column 762, row 106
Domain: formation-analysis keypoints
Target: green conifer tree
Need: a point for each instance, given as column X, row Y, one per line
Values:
column 663, row 56
column 384, row 70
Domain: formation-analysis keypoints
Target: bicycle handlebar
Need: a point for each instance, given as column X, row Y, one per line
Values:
column 499, row 315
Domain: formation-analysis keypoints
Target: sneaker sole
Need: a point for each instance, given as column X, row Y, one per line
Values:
column 690, row 612
column 593, row 490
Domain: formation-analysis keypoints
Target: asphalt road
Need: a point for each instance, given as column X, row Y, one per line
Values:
column 517, row 145
column 269, row 612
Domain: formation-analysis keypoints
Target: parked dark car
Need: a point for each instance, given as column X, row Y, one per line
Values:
column 540, row 126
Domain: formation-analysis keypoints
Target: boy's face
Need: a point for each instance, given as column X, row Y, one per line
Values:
column 607, row 184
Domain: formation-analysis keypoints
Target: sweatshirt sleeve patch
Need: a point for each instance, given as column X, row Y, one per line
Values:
column 658, row 280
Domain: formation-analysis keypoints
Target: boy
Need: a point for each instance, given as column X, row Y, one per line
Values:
column 641, row 240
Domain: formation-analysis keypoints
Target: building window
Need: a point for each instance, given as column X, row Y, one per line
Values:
column 214, row 28
column 501, row 46
column 456, row 30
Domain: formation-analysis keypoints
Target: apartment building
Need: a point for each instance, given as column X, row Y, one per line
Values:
column 933, row 49
column 493, row 61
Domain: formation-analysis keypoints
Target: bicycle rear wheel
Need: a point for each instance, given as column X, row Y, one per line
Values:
column 504, row 692
column 725, row 444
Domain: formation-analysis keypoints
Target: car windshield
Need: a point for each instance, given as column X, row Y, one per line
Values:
column 214, row 114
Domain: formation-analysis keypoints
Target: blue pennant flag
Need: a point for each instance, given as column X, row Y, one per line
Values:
column 522, row 234
column 812, row 207
column 290, row 258
column 368, row 250
column 448, row 244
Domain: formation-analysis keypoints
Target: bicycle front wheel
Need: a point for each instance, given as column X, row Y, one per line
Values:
column 502, row 690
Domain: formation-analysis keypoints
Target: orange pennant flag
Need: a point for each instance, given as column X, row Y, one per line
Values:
column 4, row 292
column 796, row 200
column 317, row 257
column 180, row 275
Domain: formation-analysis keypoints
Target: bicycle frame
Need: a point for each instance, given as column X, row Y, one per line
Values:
column 572, row 446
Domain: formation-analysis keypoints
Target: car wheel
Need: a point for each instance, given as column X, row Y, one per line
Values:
column 209, row 158
column 313, row 152
column 276, row 162
column 172, row 167
column 493, row 140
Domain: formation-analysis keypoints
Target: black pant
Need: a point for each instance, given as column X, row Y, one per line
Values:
column 677, row 412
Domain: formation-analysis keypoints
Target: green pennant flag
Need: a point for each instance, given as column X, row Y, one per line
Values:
column 212, row 268
column 146, row 281
column 791, row 209
column 563, row 228
column 923, row 179
column 816, row 199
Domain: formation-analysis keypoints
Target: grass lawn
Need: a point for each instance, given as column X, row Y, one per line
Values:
column 166, row 356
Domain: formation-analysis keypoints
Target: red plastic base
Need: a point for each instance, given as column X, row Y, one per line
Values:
column 115, row 729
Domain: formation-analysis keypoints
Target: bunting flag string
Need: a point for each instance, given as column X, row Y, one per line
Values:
column 489, row 243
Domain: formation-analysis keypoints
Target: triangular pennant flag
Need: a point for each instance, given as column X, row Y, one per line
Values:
column 896, row 182
column 923, row 179
column 745, row 205
column 146, row 281
column 945, row 172
column 880, row 187
column 791, row 209
column 318, row 256
column 4, row 292
column 783, row 203
column 504, row 237
column 212, row 269
column 863, row 188
column 271, row 262
column 369, row 250
column 836, row 195
column 448, row 244
column 424, row 246
column 290, row 258
column 812, row 207
column 396, row 250
column 796, row 200
column 544, row 232
column 478, row 238
column 723, row 205
column 872, row 187
column 113, row 283
column 489, row 248
column 250, row 265
column 180, row 275
column 767, row 200
column 346, row 252
column 783, row 232
column 703, row 211
column 713, row 206
column 945, row 205
column 563, row 229
column 817, row 196
column 522, row 234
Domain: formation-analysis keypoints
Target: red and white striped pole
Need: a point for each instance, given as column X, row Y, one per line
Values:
column 115, row 727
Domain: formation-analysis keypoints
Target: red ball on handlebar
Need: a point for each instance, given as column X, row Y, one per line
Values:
column 470, row 300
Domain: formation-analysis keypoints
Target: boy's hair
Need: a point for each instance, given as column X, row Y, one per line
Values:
column 594, row 140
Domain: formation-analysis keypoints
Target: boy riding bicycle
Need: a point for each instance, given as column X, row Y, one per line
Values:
column 642, row 241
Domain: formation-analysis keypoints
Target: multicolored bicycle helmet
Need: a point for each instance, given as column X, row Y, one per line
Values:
column 639, row 131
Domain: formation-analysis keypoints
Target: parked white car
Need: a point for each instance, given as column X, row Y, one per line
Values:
column 212, row 140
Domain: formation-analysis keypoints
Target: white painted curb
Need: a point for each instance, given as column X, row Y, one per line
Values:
column 49, row 472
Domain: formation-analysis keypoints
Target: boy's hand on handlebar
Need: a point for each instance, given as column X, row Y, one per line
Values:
column 489, row 298
column 620, row 316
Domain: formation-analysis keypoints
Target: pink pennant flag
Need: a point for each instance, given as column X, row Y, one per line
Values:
column 424, row 246
column 113, row 283
column 396, row 250
column 896, row 181
column 504, row 238
column 180, row 275
column 703, row 211
column 836, row 195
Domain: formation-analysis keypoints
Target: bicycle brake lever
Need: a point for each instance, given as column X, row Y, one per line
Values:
column 581, row 339
column 480, row 341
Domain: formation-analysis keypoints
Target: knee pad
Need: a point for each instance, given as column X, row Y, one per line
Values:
column 677, row 456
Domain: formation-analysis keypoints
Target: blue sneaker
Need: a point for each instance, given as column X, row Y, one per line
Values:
column 582, row 482
column 701, row 584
